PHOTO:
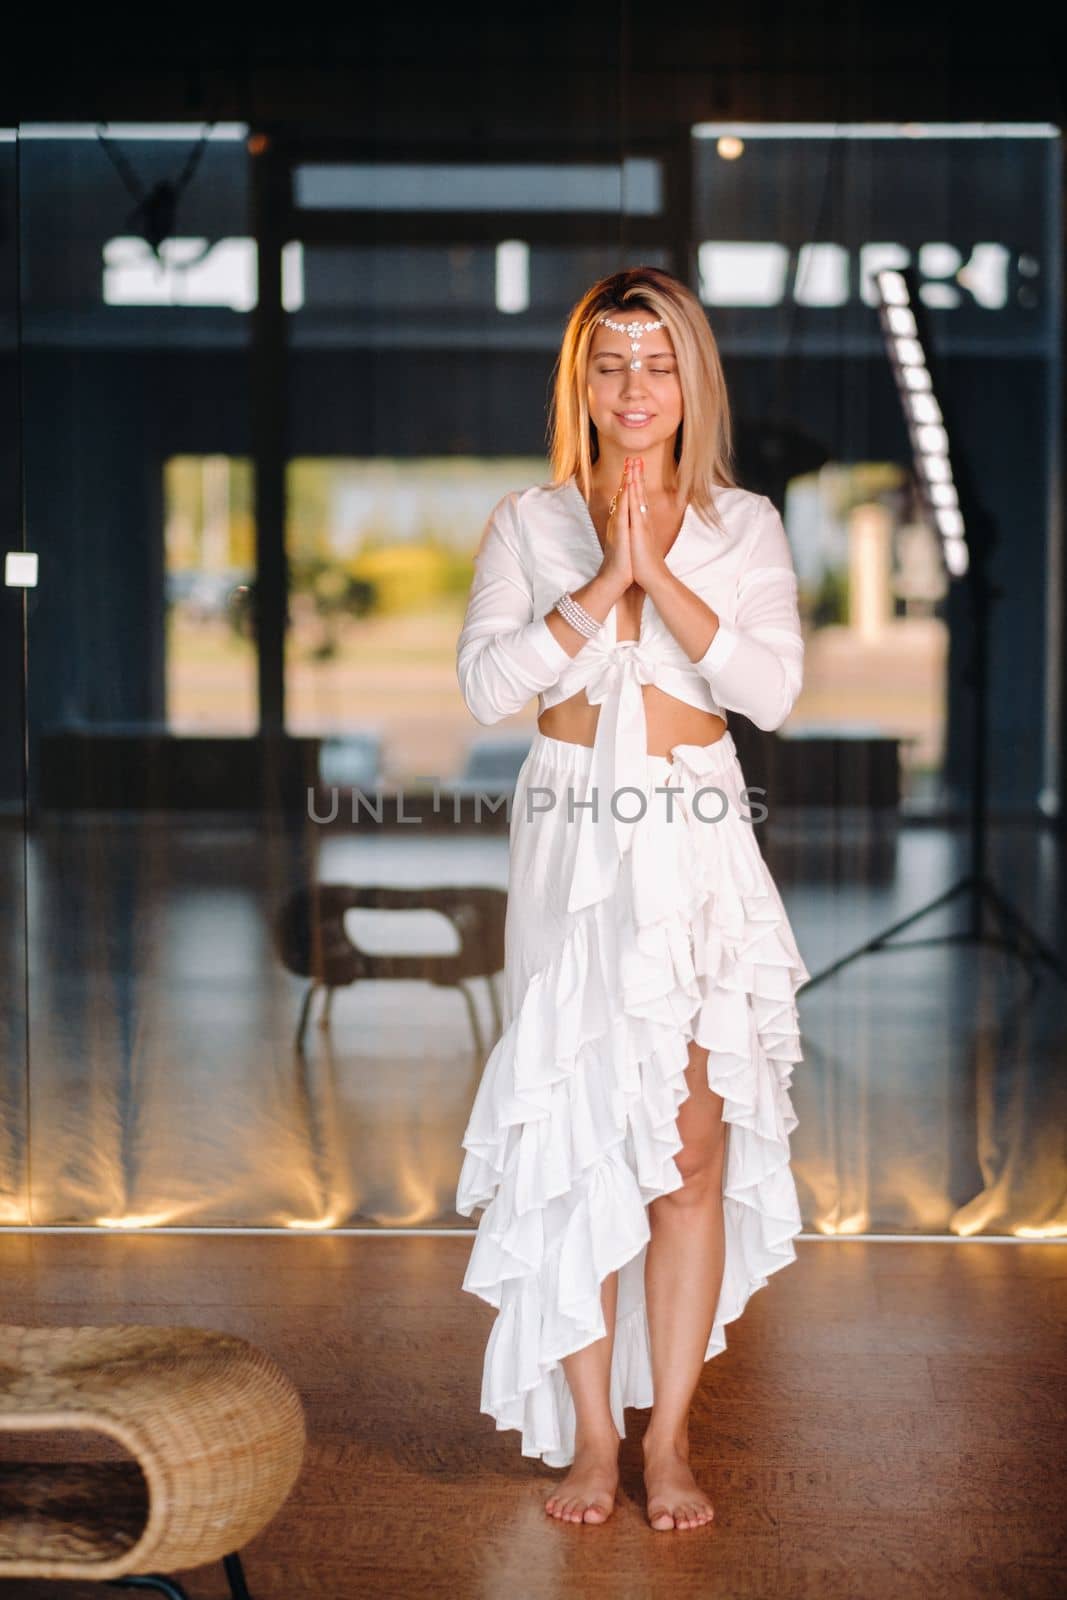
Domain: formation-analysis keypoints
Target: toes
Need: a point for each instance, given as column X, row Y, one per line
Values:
column 578, row 1508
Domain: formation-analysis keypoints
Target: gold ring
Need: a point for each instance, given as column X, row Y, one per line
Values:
column 614, row 503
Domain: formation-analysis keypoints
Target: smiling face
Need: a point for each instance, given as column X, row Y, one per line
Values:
column 633, row 411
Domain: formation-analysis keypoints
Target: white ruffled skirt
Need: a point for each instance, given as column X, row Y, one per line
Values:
column 573, row 1131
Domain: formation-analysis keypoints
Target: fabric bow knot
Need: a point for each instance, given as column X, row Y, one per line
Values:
column 617, row 675
column 696, row 758
column 618, row 776
column 622, row 737
column 627, row 662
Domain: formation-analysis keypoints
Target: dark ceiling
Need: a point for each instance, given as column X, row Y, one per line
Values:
column 412, row 72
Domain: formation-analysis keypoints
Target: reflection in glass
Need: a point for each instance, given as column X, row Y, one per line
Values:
column 209, row 540
column 380, row 565
column 164, row 1082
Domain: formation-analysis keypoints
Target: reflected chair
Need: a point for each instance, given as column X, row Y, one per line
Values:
column 313, row 942
column 214, row 1435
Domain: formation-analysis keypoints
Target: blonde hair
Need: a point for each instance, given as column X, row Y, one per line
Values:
column 703, row 444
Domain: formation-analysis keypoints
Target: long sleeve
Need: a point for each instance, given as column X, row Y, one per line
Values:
column 756, row 664
column 504, row 654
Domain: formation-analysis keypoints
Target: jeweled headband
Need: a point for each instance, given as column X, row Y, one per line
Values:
column 633, row 331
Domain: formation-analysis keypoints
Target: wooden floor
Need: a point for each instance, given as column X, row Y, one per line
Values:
column 888, row 1420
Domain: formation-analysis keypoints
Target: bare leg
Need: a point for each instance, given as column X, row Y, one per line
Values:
column 587, row 1493
column 683, row 1277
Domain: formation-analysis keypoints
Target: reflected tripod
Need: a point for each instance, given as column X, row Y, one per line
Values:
column 1016, row 935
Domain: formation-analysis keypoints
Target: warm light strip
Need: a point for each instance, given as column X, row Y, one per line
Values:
column 468, row 1233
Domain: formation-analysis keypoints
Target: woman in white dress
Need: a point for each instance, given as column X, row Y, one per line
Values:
column 629, row 1141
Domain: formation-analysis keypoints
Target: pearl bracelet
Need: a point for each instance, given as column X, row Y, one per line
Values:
column 577, row 616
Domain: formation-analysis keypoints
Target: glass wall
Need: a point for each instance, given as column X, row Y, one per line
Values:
column 270, row 388
column 792, row 224
column 18, row 599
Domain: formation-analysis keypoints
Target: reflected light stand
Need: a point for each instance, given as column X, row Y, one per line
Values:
column 967, row 538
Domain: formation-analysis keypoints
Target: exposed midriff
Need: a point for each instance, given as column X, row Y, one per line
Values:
column 670, row 721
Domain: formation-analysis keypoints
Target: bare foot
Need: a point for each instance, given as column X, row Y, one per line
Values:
column 674, row 1499
column 587, row 1493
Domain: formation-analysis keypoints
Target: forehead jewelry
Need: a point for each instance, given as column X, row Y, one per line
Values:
column 633, row 331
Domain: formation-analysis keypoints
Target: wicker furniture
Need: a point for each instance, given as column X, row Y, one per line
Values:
column 215, row 1430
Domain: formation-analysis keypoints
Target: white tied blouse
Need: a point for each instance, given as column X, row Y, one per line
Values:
column 541, row 541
